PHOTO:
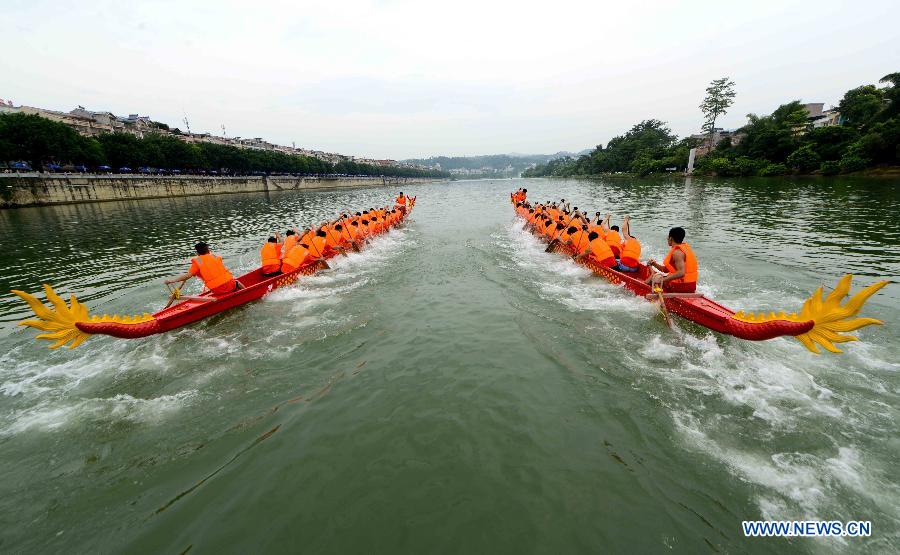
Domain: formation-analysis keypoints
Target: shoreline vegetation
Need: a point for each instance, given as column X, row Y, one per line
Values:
column 41, row 142
column 865, row 142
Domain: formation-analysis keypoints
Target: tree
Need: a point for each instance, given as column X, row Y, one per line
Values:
column 719, row 97
column 892, row 93
column 804, row 159
column 775, row 136
column 860, row 105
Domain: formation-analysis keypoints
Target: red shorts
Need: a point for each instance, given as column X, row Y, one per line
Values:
column 670, row 287
column 226, row 287
column 609, row 262
column 271, row 269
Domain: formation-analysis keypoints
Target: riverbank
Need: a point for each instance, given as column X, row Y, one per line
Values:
column 21, row 190
column 878, row 171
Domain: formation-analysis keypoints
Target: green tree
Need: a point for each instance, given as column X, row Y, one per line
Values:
column 892, row 93
column 804, row 159
column 719, row 97
column 38, row 140
column 831, row 142
column 775, row 136
column 860, row 105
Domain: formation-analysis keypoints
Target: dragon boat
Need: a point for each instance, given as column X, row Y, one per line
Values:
column 72, row 324
column 821, row 322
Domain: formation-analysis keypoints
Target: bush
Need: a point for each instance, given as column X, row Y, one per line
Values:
column 831, row 167
column 719, row 166
column 773, row 169
column 852, row 162
column 804, row 159
column 744, row 166
column 855, row 159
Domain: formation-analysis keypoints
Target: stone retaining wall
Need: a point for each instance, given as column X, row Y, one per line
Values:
column 18, row 190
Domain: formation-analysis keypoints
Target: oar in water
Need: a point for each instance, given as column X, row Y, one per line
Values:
column 662, row 305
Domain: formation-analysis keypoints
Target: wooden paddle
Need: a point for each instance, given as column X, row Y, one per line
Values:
column 662, row 305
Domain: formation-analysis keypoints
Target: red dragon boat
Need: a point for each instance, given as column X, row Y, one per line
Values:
column 73, row 324
column 821, row 321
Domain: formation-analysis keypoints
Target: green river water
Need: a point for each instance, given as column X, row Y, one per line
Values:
column 452, row 389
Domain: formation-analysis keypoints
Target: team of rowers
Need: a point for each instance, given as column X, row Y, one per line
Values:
column 348, row 231
column 609, row 246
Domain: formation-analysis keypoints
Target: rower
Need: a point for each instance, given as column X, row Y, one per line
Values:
column 270, row 253
column 401, row 201
column 612, row 237
column 290, row 239
column 599, row 251
column 579, row 240
column 298, row 256
column 211, row 270
column 680, row 266
column 318, row 244
column 629, row 260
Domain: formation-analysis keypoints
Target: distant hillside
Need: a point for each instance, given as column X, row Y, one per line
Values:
column 492, row 165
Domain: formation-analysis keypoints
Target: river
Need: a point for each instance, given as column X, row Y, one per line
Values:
column 452, row 388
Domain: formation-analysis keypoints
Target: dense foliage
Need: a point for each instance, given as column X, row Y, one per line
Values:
column 781, row 143
column 648, row 147
column 40, row 141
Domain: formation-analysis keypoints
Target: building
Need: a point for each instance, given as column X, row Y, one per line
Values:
column 90, row 124
column 828, row 118
column 718, row 135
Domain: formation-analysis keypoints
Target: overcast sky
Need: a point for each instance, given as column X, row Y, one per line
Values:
column 399, row 79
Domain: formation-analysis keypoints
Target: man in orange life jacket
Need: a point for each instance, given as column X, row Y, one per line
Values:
column 211, row 270
column 270, row 253
column 680, row 266
column 629, row 260
column 401, row 201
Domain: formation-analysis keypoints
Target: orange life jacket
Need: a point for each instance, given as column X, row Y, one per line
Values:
column 579, row 241
column 295, row 258
column 270, row 253
column 318, row 246
column 690, row 264
column 401, row 200
column 631, row 253
column 600, row 250
column 289, row 243
column 614, row 241
column 307, row 237
column 331, row 238
column 212, row 270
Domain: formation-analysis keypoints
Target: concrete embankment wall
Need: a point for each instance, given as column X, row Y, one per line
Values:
column 18, row 190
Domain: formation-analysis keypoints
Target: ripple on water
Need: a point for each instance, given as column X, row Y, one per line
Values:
column 760, row 409
column 52, row 416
